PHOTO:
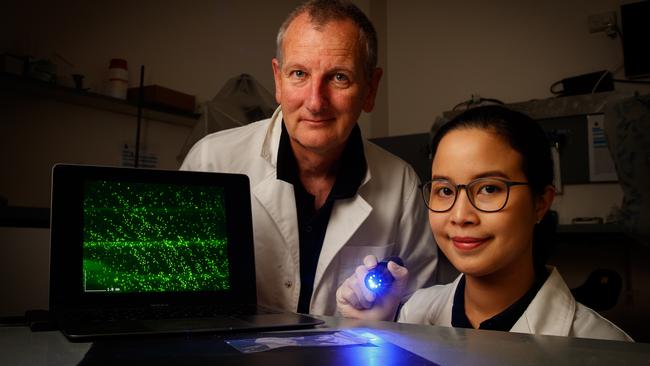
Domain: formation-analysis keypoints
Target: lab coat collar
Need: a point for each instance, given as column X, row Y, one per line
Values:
column 276, row 195
column 271, row 142
column 552, row 311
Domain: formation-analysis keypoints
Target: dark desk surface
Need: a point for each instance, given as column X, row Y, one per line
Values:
column 445, row 346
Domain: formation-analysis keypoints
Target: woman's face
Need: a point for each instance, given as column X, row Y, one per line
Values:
column 482, row 243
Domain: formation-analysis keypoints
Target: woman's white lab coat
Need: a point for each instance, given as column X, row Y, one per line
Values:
column 386, row 217
column 553, row 311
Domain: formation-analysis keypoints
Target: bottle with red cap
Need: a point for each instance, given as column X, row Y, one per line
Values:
column 118, row 79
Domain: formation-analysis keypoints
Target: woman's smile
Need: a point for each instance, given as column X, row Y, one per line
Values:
column 468, row 242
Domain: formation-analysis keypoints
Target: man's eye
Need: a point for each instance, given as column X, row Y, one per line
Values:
column 340, row 77
column 298, row 73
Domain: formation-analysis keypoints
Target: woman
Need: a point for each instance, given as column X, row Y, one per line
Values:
column 491, row 186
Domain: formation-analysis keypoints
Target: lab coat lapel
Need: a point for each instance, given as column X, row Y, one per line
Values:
column 277, row 196
column 278, row 200
column 552, row 310
column 347, row 216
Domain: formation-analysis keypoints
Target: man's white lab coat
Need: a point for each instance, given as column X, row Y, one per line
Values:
column 386, row 217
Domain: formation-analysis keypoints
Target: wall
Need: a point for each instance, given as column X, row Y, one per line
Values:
column 36, row 133
column 191, row 47
column 442, row 52
column 24, row 268
column 435, row 54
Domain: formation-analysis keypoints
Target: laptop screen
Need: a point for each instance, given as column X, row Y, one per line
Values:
column 154, row 237
column 122, row 236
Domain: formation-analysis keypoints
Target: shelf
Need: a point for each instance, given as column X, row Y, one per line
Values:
column 37, row 88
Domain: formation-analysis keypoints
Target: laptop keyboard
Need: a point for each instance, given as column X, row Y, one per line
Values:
column 172, row 312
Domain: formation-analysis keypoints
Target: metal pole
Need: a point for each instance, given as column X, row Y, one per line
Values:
column 137, row 133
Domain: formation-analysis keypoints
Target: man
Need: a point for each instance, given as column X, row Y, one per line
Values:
column 322, row 198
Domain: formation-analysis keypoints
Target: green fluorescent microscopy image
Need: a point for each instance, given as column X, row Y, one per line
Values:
column 146, row 237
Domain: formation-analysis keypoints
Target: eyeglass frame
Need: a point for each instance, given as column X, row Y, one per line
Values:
column 458, row 187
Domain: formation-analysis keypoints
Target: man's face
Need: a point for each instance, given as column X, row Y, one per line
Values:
column 321, row 84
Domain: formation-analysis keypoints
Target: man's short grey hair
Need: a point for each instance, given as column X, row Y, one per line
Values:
column 322, row 12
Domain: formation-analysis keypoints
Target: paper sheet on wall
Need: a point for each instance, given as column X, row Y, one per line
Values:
column 601, row 165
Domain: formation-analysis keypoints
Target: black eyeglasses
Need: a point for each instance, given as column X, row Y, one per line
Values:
column 485, row 194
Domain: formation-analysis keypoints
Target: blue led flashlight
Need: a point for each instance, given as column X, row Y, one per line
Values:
column 379, row 279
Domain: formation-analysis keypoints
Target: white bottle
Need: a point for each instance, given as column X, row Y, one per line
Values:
column 118, row 79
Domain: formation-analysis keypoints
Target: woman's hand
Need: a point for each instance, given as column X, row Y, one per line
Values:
column 354, row 300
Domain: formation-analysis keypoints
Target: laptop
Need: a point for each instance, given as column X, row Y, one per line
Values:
column 145, row 251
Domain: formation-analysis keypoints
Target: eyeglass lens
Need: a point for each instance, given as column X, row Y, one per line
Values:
column 485, row 194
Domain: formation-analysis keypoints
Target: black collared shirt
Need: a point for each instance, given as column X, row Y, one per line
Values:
column 503, row 321
column 312, row 223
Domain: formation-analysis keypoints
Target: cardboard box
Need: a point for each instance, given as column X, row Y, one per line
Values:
column 156, row 95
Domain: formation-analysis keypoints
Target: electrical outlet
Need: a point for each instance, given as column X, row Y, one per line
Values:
column 601, row 22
